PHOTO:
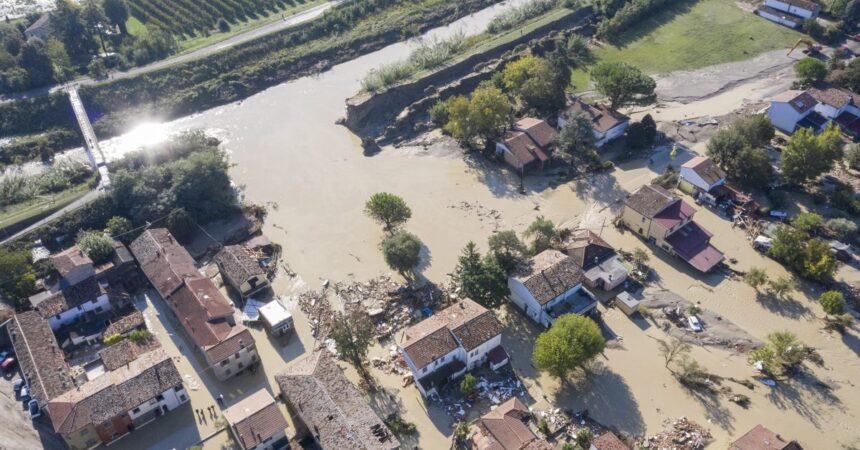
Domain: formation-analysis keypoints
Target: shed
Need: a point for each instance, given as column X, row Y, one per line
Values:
column 276, row 317
column 627, row 303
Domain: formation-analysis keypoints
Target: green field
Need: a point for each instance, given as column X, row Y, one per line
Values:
column 693, row 35
column 19, row 216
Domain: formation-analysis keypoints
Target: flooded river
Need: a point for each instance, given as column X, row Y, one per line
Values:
column 290, row 155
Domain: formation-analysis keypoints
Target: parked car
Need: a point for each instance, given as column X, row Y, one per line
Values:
column 18, row 384
column 781, row 215
column 695, row 325
column 762, row 243
column 8, row 363
column 33, row 407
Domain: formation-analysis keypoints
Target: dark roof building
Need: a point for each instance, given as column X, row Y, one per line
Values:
column 255, row 420
column 539, row 130
column 548, row 275
column 506, row 428
column 241, row 271
column 42, row 361
column 650, row 199
column 602, row 117
column 163, row 260
column 326, row 407
column 586, row 248
column 50, row 304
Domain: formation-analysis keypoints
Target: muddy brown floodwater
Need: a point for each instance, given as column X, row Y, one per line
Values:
column 289, row 154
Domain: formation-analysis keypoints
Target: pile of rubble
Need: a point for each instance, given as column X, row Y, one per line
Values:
column 492, row 392
column 556, row 419
column 394, row 364
column 317, row 308
column 683, row 434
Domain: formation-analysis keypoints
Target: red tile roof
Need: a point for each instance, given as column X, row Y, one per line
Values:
column 255, row 419
column 760, row 438
column 540, row 131
column 524, row 148
column 70, row 259
column 831, row 95
column 504, row 428
column 163, row 260
column 692, row 243
column 602, row 117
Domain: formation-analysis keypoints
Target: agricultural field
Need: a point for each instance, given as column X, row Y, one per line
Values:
column 692, row 35
column 195, row 18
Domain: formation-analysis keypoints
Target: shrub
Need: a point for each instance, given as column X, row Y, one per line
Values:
column 853, row 156
column 841, row 227
column 97, row 245
column 832, row 302
column 516, row 16
column 223, row 25
column 467, row 385
column 119, row 228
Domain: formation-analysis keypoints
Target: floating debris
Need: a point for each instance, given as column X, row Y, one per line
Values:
column 683, row 434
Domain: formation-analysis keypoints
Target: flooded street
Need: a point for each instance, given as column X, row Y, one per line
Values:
column 291, row 156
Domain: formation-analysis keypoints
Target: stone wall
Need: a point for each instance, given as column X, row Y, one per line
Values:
column 368, row 113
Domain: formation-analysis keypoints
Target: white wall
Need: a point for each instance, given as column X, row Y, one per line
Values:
column 806, row 14
column 784, row 117
column 69, row 316
column 617, row 131
column 457, row 353
column 779, row 19
column 827, row 110
column 172, row 400
column 247, row 357
column 480, row 352
column 524, row 299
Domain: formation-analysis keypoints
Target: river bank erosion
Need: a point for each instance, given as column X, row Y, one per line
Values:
column 289, row 154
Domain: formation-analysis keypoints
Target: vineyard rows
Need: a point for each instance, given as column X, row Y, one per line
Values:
column 194, row 17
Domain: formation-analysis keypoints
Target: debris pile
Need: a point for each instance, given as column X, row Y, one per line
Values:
column 486, row 391
column 316, row 306
column 682, row 435
column 394, row 364
column 556, row 419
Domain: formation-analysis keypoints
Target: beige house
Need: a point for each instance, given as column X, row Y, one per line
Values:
column 667, row 221
column 257, row 423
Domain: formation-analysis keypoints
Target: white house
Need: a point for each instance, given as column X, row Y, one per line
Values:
column 444, row 346
column 800, row 8
column 601, row 265
column 549, row 285
column 257, row 423
column 815, row 107
column 700, row 174
column 606, row 123
column 276, row 318
column 66, row 306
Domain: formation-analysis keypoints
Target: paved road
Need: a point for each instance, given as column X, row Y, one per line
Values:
column 304, row 16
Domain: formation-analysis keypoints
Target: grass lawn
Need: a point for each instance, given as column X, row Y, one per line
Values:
column 20, row 216
column 693, row 35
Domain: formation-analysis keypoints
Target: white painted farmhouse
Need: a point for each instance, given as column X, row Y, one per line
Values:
column 549, row 285
column 700, row 174
column 444, row 346
column 816, row 107
column 606, row 123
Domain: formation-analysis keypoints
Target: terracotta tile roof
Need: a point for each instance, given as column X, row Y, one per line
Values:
column 41, row 360
column 504, row 428
column 255, row 419
column 586, row 247
column 760, row 438
column 675, row 214
column 204, row 311
column 126, row 351
column 649, row 200
column 548, row 275
column 126, row 324
column 609, row 441
column 236, row 265
column 602, row 117
column 331, row 407
column 832, row 95
column 540, row 131
column 524, row 148
column 114, row 393
column 163, row 260
column 801, row 101
column 464, row 323
column 70, row 297
column 70, row 259
column 706, row 168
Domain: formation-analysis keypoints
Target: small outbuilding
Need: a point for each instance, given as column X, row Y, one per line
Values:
column 277, row 319
column 627, row 303
column 241, row 271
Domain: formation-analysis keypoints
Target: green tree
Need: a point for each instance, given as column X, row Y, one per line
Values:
column 402, row 252
column 457, row 118
column 584, row 437
column 781, row 286
column 809, row 70
column 751, row 168
column 542, row 233
column 841, row 228
column 94, row 18
column 489, row 112
column 97, row 245
column 622, row 84
column 34, row 59
column 832, row 302
column 63, row 70
column 534, row 81
column 807, row 156
column 507, row 248
column 570, row 343
column 576, row 143
column 181, row 225
column 819, row 264
column 852, row 155
column 17, row 276
column 467, row 385
column 482, row 280
column 68, row 23
column 97, row 69
column 807, row 222
column 353, row 333
column 119, row 228
column 117, row 12
column 756, row 277
column 781, row 352
column 640, row 257
column 724, row 146
column 787, row 246
column 388, row 209
column 755, row 130
column 577, row 50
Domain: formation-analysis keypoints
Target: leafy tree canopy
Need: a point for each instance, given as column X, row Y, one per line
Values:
column 572, row 341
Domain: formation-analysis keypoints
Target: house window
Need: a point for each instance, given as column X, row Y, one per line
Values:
column 227, row 371
column 236, row 355
column 99, row 309
column 177, row 388
column 159, row 398
column 135, row 410
column 240, row 365
column 182, row 399
column 424, row 370
column 224, row 363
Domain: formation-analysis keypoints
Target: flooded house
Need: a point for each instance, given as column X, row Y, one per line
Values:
column 327, row 409
column 761, row 438
column 700, row 175
column 452, row 341
column 257, row 423
column 548, row 285
column 608, row 441
column 74, row 302
column 667, row 221
column 507, row 428
column 240, row 271
column 207, row 317
column 602, row 266
column 607, row 124
column 815, row 108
